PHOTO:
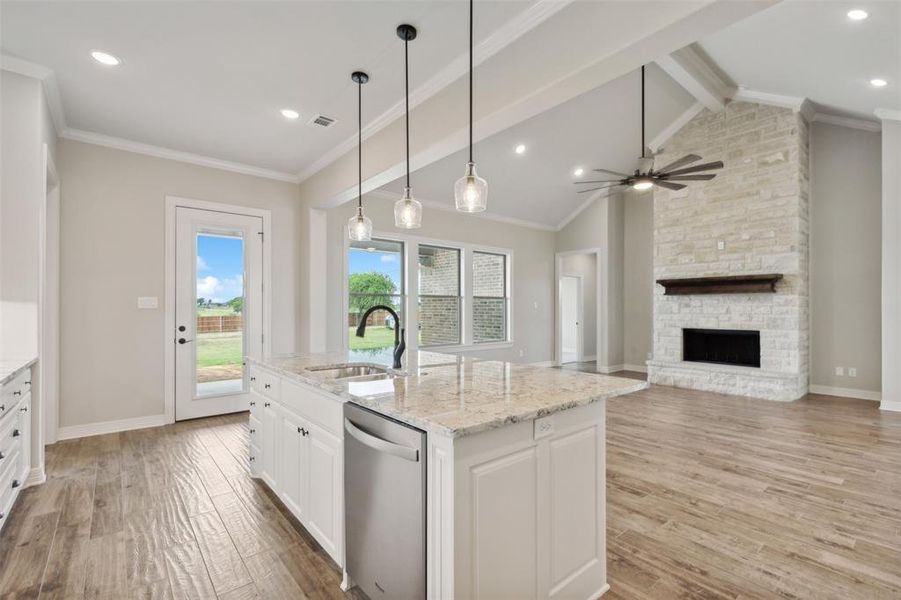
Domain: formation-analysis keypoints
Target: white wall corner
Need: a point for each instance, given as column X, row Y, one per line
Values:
column 47, row 78
column 691, row 68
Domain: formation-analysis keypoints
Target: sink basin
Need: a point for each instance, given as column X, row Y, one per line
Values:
column 350, row 370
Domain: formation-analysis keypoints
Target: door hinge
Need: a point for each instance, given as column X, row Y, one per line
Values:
column 260, row 233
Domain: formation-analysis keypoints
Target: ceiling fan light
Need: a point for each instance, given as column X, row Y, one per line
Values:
column 408, row 211
column 642, row 184
column 471, row 191
column 359, row 227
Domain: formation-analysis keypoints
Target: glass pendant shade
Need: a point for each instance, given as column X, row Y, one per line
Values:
column 471, row 191
column 408, row 211
column 359, row 227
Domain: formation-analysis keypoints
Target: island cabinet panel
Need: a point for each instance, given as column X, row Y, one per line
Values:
column 15, row 440
column 298, row 450
column 525, row 515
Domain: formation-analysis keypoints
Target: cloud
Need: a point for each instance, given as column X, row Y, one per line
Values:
column 388, row 258
column 220, row 290
column 201, row 264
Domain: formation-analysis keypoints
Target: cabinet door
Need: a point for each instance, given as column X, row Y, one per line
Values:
column 25, row 429
column 325, row 510
column 269, row 418
column 293, row 453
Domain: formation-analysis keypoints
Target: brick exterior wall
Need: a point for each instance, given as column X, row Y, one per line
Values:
column 489, row 313
column 439, row 318
column 758, row 205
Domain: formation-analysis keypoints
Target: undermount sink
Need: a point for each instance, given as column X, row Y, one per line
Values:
column 351, row 370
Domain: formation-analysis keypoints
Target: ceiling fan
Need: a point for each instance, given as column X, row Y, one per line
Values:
column 645, row 176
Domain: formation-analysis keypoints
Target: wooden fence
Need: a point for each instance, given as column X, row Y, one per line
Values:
column 220, row 324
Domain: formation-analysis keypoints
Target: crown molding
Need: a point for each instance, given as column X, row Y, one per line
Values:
column 509, row 32
column 798, row 104
column 673, row 128
column 886, row 114
column 47, row 78
column 443, row 206
column 108, row 141
column 694, row 71
column 851, row 122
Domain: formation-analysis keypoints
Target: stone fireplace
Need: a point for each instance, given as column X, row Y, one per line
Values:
column 751, row 219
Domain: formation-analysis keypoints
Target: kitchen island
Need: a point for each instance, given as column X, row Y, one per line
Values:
column 514, row 455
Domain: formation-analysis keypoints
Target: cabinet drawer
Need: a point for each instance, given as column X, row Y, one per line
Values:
column 254, row 430
column 265, row 383
column 254, row 458
column 323, row 410
column 7, row 442
column 13, row 393
column 9, row 473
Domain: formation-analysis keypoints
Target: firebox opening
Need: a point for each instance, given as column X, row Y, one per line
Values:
column 721, row 346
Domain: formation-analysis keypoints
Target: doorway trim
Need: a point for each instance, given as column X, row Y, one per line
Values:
column 45, row 423
column 601, row 307
column 172, row 203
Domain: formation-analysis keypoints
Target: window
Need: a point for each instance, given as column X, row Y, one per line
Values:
column 375, row 276
column 439, row 296
column 489, row 297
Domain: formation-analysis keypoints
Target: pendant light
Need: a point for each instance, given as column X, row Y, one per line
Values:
column 359, row 227
column 407, row 210
column 471, row 191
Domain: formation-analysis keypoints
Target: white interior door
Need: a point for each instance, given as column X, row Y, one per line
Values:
column 218, row 309
column 570, row 318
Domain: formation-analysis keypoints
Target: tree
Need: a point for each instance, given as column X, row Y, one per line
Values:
column 236, row 304
column 369, row 289
column 201, row 302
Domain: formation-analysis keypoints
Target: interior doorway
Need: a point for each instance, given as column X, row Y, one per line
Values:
column 570, row 319
column 579, row 314
column 218, row 309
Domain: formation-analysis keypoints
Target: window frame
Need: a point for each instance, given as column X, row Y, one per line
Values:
column 505, row 297
column 458, row 296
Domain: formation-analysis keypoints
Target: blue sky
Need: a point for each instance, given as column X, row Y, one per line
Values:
column 363, row 261
column 220, row 267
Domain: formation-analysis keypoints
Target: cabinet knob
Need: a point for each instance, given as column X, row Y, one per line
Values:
column 2, row 456
column 305, row 432
column 24, row 409
column 252, row 403
column 2, row 407
column 253, row 458
column 267, row 404
column 16, row 483
column 253, row 378
column 252, row 431
column 267, row 386
column 16, row 433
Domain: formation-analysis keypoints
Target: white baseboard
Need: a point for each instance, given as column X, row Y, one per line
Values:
column 544, row 363
column 604, row 589
column 589, row 358
column 80, row 431
column 610, row 368
column 35, row 477
column 893, row 406
column 636, row 368
column 845, row 392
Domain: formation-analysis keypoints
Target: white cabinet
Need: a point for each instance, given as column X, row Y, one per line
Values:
column 15, row 440
column 297, row 448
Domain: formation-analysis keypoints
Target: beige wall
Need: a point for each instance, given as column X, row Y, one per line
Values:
column 112, row 251
column 533, row 271
column 845, row 262
column 638, row 278
column 891, row 263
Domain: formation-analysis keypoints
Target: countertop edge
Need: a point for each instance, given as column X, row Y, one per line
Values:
column 18, row 365
column 432, row 427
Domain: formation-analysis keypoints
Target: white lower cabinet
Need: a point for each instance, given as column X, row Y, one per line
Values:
column 299, row 452
column 15, row 440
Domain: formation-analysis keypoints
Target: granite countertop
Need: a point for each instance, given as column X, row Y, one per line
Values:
column 456, row 396
column 10, row 367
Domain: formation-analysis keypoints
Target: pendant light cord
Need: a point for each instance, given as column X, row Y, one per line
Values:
column 642, row 111
column 360, row 143
column 470, row 80
column 407, row 103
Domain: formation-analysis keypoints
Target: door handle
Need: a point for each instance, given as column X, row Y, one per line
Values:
column 377, row 443
column 184, row 341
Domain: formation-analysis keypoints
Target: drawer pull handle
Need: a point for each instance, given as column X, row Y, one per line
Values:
column 306, row 433
column 252, row 431
column 253, row 458
column 16, row 433
column 27, row 383
column 267, row 404
column 252, row 403
column 16, row 483
column 267, row 386
column 253, row 378
column 17, row 393
column 24, row 409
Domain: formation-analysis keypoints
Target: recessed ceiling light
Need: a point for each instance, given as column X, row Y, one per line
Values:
column 520, row 149
column 105, row 59
column 290, row 114
column 578, row 172
column 878, row 82
column 857, row 14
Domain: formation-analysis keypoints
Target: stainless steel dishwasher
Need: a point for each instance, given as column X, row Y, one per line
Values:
column 385, row 504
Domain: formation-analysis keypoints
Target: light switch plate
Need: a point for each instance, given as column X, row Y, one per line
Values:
column 840, row 371
column 148, row 302
column 852, row 371
column 544, row 427
column 721, row 245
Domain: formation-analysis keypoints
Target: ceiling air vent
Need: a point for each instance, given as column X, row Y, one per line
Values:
column 322, row 121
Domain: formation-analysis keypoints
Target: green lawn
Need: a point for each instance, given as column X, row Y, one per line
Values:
column 215, row 349
column 376, row 337
column 215, row 311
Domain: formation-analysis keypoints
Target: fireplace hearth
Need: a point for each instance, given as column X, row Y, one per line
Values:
column 721, row 346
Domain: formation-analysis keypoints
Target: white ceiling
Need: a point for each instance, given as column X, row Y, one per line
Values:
column 598, row 129
column 811, row 49
column 210, row 77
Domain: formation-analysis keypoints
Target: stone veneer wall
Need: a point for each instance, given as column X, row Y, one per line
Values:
column 758, row 206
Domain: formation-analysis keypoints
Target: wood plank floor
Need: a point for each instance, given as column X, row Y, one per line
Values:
column 709, row 496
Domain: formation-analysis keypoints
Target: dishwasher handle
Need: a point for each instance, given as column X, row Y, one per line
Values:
column 377, row 443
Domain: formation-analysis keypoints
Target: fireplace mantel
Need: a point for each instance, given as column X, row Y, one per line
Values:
column 732, row 284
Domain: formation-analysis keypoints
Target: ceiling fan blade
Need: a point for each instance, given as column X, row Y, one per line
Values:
column 598, row 181
column 603, row 187
column 669, row 186
column 609, row 172
column 698, row 177
column 685, row 160
column 704, row 167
